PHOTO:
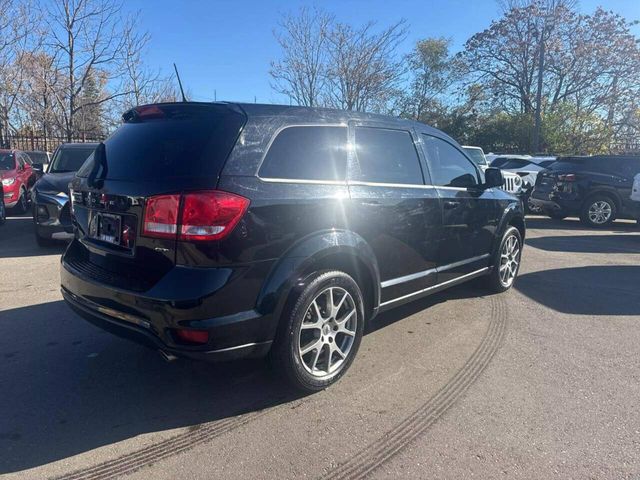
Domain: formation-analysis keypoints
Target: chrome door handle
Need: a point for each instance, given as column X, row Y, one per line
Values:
column 450, row 204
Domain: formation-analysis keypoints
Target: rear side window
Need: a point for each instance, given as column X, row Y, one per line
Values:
column 158, row 142
column 449, row 167
column 307, row 153
column 386, row 156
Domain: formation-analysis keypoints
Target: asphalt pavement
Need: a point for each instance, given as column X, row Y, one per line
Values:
column 540, row 382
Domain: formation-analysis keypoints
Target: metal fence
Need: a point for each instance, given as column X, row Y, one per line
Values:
column 46, row 144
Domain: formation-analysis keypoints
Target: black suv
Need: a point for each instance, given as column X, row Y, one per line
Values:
column 219, row 231
column 597, row 189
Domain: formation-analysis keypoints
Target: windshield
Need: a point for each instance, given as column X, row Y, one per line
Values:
column 38, row 157
column 69, row 159
column 7, row 162
column 476, row 155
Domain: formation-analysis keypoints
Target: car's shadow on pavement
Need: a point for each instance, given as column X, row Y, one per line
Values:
column 546, row 223
column 68, row 387
column 592, row 290
column 614, row 243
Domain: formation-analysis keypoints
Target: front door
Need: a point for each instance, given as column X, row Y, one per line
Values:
column 470, row 215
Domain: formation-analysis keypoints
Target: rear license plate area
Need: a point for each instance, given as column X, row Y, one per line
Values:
column 106, row 227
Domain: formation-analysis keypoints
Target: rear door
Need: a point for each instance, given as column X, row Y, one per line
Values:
column 470, row 215
column 159, row 151
column 393, row 208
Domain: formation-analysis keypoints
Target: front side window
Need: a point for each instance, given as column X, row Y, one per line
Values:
column 307, row 153
column 449, row 167
column 386, row 156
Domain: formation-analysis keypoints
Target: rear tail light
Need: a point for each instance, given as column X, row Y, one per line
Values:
column 194, row 216
column 567, row 177
column 196, row 337
column 161, row 216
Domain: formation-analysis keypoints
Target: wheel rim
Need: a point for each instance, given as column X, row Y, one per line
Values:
column 23, row 202
column 600, row 212
column 509, row 260
column 327, row 332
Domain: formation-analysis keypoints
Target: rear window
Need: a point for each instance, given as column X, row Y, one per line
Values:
column 171, row 141
column 387, row 156
column 307, row 153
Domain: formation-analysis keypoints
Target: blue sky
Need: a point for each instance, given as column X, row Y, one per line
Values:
column 226, row 46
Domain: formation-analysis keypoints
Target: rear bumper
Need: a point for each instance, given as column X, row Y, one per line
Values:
column 555, row 202
column 150, row 320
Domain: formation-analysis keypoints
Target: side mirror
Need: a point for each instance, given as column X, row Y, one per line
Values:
column 493, row 178
column 38, row 167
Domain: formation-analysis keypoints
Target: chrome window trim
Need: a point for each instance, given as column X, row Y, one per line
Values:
column 424, row 290
column 394, row 185
column 424, row 273
column 302, row 181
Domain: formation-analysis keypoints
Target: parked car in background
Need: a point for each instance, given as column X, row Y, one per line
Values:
column 598, row 189
column 39, row 161
column 51, row 209
column 512, row 182
column 526, row 168
column 219, row 231
column 17, row 179
column 477, row 155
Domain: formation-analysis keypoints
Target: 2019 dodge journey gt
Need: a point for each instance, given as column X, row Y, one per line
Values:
column 218, row 230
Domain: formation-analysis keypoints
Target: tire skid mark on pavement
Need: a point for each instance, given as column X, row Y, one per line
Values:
column 167, row 448
column 360, row 465
column 389, row 445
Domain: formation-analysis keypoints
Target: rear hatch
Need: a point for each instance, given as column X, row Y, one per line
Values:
column 146, row 166
column 558, row 174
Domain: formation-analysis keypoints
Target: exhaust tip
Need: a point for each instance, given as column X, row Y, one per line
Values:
column 167, row 356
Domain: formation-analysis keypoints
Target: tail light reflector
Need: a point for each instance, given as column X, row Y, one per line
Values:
column 192, row 336
column 194, row 216
column 567, row 177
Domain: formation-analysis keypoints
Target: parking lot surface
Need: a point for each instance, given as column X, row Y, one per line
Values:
column 540, row 382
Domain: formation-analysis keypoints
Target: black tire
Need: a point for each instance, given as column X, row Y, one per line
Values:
column 23, row 204
column 556, row 215
column 589, row 216
column 496, row 283
column 3, row 211
column 285, row 355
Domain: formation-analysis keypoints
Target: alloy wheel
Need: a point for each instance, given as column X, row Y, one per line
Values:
column 327, row 332
column 509, row 260
column 600, row 212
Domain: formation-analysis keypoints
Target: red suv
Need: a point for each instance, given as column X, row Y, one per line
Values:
column 17, row 178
